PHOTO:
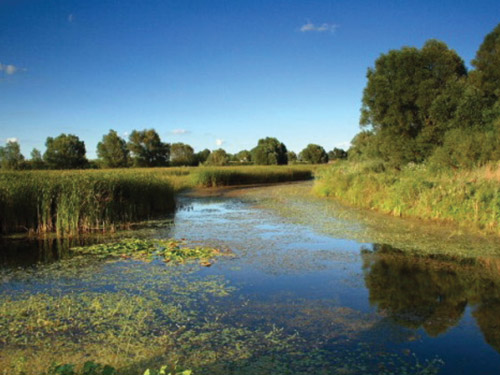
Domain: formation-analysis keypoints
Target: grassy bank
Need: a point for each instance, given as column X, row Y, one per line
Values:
column 245, row 175
column 69, row 202
column 466, row 198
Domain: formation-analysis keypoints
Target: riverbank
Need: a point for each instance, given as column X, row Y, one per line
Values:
column 468, row 199
column 76, row 201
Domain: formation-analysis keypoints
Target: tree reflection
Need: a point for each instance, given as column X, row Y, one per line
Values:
column 432, row 292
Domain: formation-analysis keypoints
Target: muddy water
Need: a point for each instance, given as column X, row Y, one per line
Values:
column 306, row 276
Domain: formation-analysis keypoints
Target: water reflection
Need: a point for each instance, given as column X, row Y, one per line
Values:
column 429, row 293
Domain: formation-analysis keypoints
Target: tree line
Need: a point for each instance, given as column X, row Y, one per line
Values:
column 146, row 149
column 424, row 105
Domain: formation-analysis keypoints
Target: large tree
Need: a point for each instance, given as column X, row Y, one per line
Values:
column 202, row 156
column 147, row 149
column 112, row 151
column 399, row 95
column 65, row 152
column 218, row 157
column 486, row 76
column 10, row 156
column 269, row 151
column 314, row 154
column 182, row 154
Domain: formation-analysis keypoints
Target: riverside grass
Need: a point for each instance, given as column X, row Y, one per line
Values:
column 466, row 198
column 76, row 201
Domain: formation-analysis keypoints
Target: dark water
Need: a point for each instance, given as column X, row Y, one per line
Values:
column 361, row 304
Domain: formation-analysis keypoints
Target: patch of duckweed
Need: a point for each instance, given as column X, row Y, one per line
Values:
column 169, row 250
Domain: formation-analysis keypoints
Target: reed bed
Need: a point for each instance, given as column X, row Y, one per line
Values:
column 244, row 175
column 71, row 202
column 466, row 198
column 80, row 201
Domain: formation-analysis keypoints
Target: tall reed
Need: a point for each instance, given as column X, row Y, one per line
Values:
column 69, row 202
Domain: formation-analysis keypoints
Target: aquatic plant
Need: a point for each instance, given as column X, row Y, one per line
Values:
column 169, row 250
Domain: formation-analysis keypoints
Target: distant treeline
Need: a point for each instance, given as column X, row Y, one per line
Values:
column 423, row 105
column 145, row 149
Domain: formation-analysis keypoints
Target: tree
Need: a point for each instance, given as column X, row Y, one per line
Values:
column 182, row 154
column 147, row 149
column 202, row 156
column 112, row 151
column 244, row 156
column 269, row 151
column 218, row 157
column 292, row 157
column 36, row 160
column 337, row 154
column 65, row 152
column 10, row 156
column 399, row 95
column 314, row 154
column 486, row 76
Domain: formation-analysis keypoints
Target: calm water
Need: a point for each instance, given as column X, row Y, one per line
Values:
column 356, row 307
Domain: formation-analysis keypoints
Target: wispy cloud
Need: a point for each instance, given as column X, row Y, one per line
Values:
column 219, row 142
column 12, row 139
column 8, row 69
column 309, row 26
column 180, row 131
column 344, row 145
column 71, row 17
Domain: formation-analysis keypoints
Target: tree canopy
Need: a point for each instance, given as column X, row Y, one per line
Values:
column 314, row 154
column 218, row 157
column 10, row 156
column 182, row 154
column 112, row 151
column 147, row 149
column 65, row 152
column 399, row 95
column 269, row 151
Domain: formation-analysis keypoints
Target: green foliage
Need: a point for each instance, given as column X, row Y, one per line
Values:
column 147, row 149
column 466, row 148
column 314, row 154
column 337, row 154
column 112, row 151
column 202, row 156
column 244, row 156
column 36, row 161
column 486, row 76
column 182, row 154
column 10, row 156
column 269, row 151
column 65, row 152
column 169, row 250
column 399, row 94
column 212, row 177
column 292, row 157
column 218, row 157
column 80, row 201
column 417, row 191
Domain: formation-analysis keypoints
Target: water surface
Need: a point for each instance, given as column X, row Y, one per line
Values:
column 306, row 293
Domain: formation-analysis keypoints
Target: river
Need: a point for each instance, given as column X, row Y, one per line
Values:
column 313, row 288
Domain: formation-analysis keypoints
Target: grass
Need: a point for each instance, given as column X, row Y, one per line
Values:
column 467, row 198
column 72, row 202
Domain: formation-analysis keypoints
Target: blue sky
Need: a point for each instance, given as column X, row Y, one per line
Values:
column 209, row 73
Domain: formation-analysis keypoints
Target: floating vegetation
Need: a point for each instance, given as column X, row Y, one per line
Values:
column 169, row 250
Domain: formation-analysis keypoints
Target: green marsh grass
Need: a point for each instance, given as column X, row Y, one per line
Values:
column 72, row 202
column 467, row 198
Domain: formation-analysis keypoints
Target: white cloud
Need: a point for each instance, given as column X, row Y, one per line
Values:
column 71, row 17
column 126, row 134
column 219, row 142
column 320, row 28
column 180, row 131
column 8, row 69
column 12, row 139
